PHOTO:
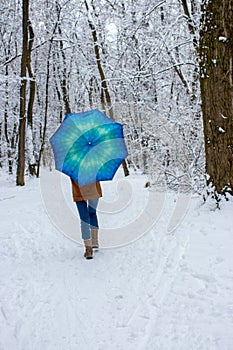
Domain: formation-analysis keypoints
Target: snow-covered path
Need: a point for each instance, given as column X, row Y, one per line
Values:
column 163, row 291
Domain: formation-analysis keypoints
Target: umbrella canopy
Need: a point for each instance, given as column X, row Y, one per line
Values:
column 88, row 147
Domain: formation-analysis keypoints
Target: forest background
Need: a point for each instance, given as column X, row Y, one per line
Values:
column 146, row 64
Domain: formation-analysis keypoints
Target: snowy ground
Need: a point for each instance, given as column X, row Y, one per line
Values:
column 166, row 290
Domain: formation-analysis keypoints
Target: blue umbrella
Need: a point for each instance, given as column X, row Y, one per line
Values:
column 88, row 147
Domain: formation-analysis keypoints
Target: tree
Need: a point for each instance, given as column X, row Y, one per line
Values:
column 22, row 114
column 105, row 95
column 216, row 69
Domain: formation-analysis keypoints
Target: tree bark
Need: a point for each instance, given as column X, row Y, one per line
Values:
column 22, row 113
column 216, row 69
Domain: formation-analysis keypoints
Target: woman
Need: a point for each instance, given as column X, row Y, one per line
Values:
column 87, row 198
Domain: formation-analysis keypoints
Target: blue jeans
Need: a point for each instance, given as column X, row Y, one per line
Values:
column 88, row 216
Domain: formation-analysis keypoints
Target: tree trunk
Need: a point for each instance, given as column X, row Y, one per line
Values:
column 57, row 89
column 43, row 136
column 32, row 78
column 32, row 93
column 63, row 78
column 6, row 116
column 105, row 95
column 45, row 113
column 216, row 64
column 22, row 113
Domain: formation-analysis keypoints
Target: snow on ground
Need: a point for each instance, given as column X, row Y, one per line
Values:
column 165, row 290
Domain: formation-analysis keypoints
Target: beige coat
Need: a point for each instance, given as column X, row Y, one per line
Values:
column 90, row 191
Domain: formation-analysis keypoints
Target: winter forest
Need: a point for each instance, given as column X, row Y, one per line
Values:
column 144, row 63
column 156, row 271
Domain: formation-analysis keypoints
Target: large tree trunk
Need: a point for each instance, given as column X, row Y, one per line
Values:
column 22, row 114
column 216, row 64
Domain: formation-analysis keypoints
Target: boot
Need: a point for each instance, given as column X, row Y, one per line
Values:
column 94, row 236
column 88, row 246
